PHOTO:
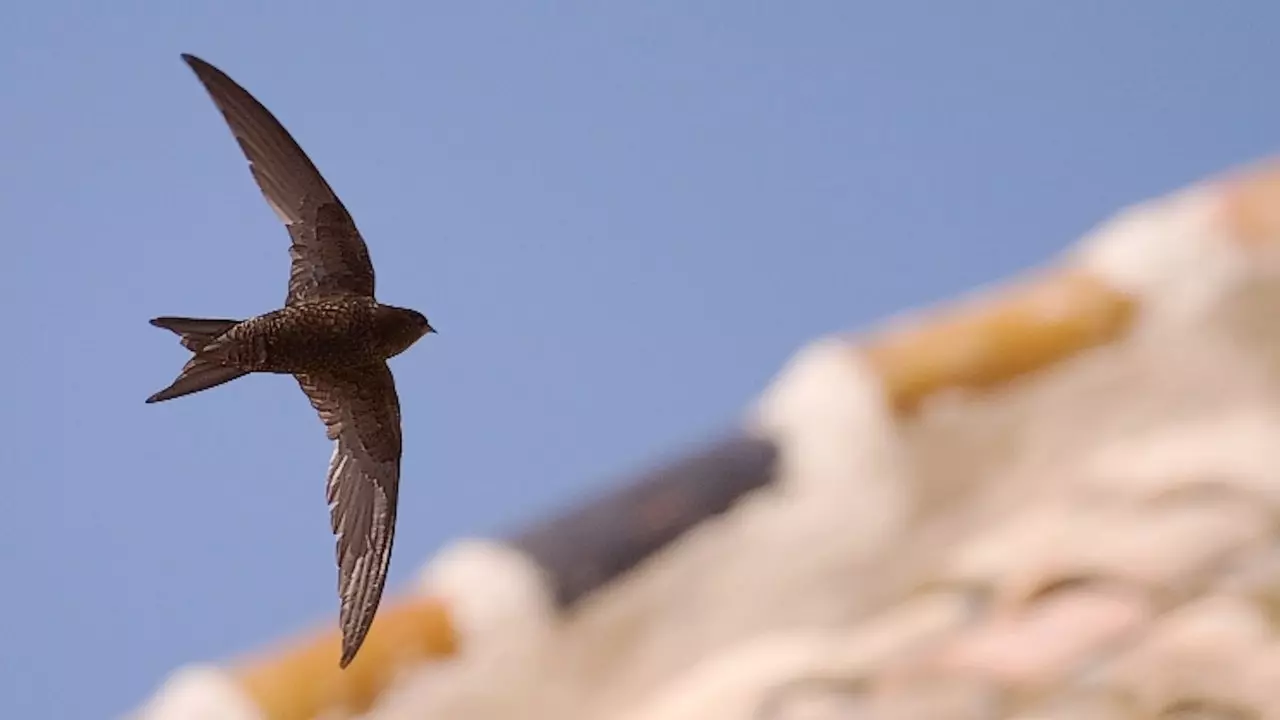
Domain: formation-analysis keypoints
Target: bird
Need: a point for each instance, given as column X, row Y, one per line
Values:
column 332, row 335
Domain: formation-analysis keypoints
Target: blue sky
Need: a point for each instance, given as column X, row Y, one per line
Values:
column 621, row 217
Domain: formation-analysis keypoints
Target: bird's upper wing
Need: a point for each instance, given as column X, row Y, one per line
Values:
column 361, row 413
column 329, row 256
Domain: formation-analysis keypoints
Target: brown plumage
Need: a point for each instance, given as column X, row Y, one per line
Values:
column 332, row 335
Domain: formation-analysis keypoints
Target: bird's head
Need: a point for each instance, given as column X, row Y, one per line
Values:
column 420, row 323
column 403, row 327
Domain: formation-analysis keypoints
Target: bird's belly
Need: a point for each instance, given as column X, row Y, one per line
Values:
column 307, row 342
column 312, row 353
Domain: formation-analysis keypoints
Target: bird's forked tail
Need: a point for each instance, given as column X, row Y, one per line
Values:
column 201, row 372
column 195, row 333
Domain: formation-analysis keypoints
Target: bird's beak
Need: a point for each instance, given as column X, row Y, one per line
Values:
column 431, row 330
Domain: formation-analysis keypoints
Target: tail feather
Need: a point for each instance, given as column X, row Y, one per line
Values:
column 195, row 333
column 199, row 374
column 204, row 370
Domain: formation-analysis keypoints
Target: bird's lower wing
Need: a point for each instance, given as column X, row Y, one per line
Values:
column 361, row 413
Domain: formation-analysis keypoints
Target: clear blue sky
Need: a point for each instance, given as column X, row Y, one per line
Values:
column 622, row 219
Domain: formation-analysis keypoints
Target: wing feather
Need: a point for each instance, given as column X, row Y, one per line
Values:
column 329, row 257
column 361, row 413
